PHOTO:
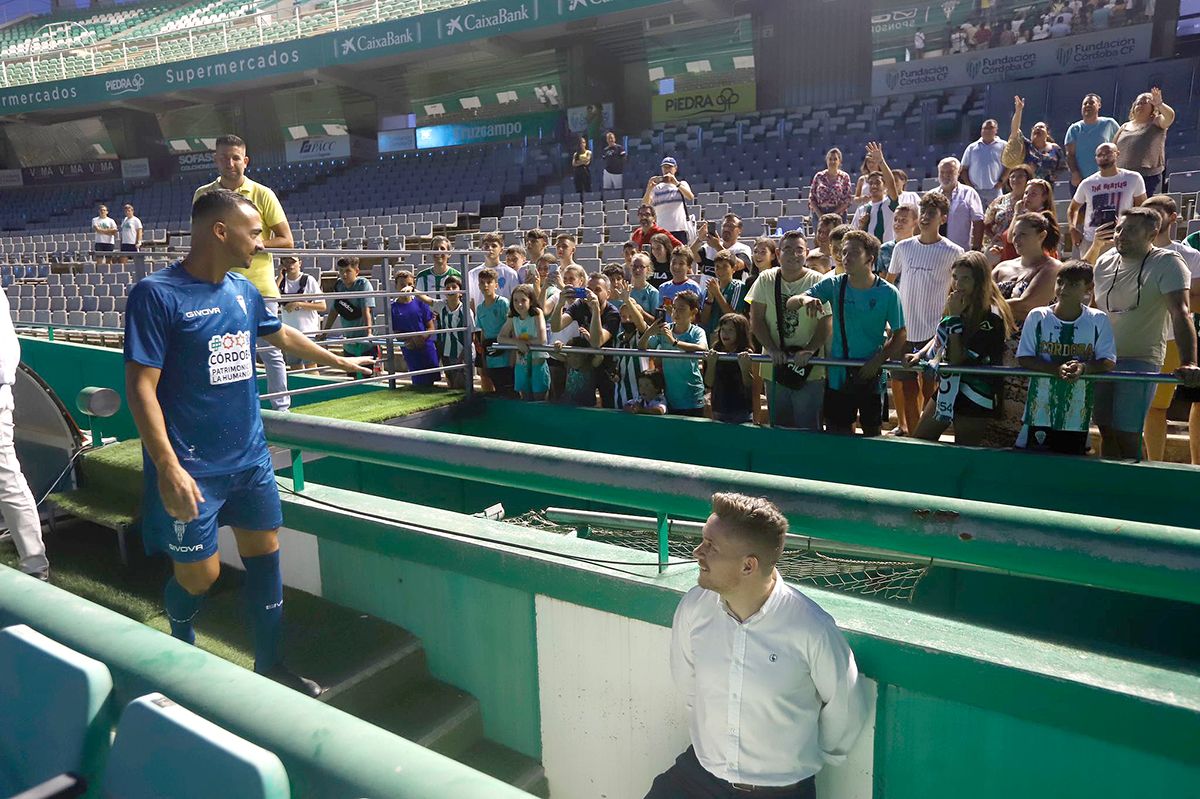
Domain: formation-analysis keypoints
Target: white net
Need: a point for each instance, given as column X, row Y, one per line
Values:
column 888, row 579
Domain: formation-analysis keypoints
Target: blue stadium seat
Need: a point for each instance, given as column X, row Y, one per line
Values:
column 55, row 710
column 145, row 761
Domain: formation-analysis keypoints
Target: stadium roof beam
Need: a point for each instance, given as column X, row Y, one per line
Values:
column 357, row 80
column 503, row 46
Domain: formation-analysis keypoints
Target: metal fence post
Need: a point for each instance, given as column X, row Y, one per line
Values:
column 664, row 525
column 297, row 470
column 389, row 344
column 468, row 343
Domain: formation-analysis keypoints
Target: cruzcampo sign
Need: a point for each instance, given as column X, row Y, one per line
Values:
column 725, row 99
column 426, row 31
column 490, row 130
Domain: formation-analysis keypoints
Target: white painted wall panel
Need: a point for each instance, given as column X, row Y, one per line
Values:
column 299, row 557
column 611, row 718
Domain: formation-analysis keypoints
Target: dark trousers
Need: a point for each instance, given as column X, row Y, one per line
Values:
column 687, row 779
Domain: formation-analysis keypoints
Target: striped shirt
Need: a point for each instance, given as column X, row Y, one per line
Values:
column 925, row 274
column 450, row 345
column 429, row 281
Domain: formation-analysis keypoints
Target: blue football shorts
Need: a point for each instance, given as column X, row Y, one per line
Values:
column 248, row 500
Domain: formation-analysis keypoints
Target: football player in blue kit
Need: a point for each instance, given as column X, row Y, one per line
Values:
column 191, row 331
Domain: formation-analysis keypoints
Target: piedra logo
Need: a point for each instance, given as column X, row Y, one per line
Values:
column 973, row 68
column 703, row 102
column 892, row 78
column 1064, row 57
column 130, row 85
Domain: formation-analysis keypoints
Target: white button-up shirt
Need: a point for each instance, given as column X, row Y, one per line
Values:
column 771, row 699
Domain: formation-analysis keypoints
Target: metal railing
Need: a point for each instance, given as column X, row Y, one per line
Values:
column 922, row 366
column 123, row 51
column 385, row 339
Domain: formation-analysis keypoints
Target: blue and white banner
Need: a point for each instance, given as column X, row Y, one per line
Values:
column 1108, row 48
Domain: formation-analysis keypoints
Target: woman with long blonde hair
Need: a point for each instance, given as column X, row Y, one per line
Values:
column 975, row 326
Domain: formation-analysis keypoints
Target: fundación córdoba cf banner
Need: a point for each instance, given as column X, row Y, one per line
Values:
column 1107, row 48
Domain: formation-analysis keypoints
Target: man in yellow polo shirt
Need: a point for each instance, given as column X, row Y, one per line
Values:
column 231, row 162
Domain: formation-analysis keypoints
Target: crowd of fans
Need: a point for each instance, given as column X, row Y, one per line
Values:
column 976, row 272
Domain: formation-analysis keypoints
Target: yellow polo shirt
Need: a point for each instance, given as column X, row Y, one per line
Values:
column 262, row 271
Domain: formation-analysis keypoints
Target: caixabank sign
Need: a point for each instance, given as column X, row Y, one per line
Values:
column 1108, row 48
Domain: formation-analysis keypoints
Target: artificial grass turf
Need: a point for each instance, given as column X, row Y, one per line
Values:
column 321, row 639
column 373, row 407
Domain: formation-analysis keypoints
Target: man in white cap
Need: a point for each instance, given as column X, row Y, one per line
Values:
column 669, row 195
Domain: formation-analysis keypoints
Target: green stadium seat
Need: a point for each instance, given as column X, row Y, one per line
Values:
column 145, row 761
column 55, row 710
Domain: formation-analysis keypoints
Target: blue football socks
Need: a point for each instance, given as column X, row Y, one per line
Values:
column 181, row 608
column 264, row 594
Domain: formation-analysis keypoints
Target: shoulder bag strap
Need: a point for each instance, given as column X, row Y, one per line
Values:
column 780, row 309
column 842, row 316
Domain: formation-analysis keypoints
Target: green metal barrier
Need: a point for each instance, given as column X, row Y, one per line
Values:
column 1147, row 559
column 328, row 754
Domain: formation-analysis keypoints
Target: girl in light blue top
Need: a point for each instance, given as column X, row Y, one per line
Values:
column 527, row 325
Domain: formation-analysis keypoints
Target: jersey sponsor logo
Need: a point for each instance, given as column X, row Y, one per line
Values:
column 273, row 605
column 185, row 549
column 229, row 359
column 201, row 312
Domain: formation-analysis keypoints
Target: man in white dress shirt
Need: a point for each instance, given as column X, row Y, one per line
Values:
column 772, row 690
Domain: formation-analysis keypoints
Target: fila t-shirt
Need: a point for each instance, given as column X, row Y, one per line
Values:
column 203, row 337
column 1055, row 403
column 1106, row 198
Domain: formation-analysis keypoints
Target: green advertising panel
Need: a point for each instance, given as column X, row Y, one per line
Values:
column 734, row 98
column 426, row 31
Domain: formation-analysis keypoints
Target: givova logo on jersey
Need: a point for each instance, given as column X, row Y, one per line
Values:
column 229, row 358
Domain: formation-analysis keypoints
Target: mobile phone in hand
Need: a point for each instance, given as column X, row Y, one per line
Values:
column 579, row 293
column 712, row 228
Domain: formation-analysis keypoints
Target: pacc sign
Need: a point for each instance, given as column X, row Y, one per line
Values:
column 317, row 148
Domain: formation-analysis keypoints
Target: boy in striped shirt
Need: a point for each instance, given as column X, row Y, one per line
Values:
column 450, row 345
column 433, row 279
column 925, row 263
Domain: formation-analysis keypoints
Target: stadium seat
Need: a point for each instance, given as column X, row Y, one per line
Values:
column 55, row 710
column 145, row 761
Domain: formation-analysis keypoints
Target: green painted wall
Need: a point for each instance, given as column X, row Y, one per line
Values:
column 985, row 754
column 477, row 635
column 1143, row 492
column 964, row 710
column 1108, row 621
